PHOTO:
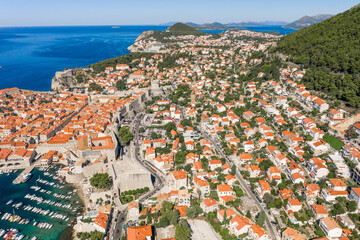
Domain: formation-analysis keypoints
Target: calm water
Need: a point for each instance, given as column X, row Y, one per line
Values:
column 8, row 191
column 271, row 28
column 30, row 56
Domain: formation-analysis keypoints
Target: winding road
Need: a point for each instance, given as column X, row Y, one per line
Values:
column 159, row 181
column 271, row 229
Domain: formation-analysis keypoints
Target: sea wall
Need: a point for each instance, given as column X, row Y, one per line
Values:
column 74, row 178
column 94, row 168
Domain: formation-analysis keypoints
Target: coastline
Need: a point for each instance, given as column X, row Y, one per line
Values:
column 79, row 190
column 60, row 230
column 70, row 232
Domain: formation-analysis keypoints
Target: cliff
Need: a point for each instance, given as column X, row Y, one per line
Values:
column 66, row 80
column 142, row 36
column 145, row 34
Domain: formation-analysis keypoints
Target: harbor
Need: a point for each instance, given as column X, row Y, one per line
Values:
column 42, row 207
column 24, row 176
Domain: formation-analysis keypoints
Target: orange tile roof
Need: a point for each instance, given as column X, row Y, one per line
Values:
column 139, row 233
column 209, row 202
column 101, row 219
column 179, row 174
column 224, row 188
column 182, row 210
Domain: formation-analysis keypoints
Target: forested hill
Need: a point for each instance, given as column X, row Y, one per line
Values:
column 183, row 29
column 331, row 52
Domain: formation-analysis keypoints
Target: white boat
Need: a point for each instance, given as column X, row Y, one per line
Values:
column 26, row 177
column 18, row 205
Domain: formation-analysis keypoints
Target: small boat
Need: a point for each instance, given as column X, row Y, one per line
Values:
column 10, row 202
column 18, row 205
column 26, row 177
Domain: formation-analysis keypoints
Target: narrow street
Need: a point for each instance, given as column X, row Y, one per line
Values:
column 269, row 226
column 159, row 182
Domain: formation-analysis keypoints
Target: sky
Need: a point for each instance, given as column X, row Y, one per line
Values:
column 152, row 12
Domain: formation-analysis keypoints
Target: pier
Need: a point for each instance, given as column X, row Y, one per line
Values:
column 20, row 177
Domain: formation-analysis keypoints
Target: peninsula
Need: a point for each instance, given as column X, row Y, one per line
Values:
column 196, row 136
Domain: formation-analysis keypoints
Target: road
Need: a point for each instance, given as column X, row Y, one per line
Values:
column 159, row 182
column 117, row 226
column 270, row 228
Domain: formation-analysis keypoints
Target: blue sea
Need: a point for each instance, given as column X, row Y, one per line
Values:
column 30, row 56
column 60, row 230
column 271, row 28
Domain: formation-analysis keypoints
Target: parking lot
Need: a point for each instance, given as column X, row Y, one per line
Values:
column 201, row 230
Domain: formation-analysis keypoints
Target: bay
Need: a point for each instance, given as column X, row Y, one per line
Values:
column 16, row 192
column 30, row 56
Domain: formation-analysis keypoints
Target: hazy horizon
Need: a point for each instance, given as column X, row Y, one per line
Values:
column 24, row 13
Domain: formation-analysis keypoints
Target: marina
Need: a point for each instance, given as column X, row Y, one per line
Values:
column 24, row 176
column 42, row 207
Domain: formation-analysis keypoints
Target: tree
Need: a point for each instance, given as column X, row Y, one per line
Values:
column 154, row 135
column 182, row 231
column 101, row 180
column 175, row 217
column 351, row 206
column 94, row 235
column 167, row 206
column 180, row 157
column 164, row 221
column 233, row 170
column 265, row 165
column 125, row 136
column 80, row 78
column 261, row 219
column 121, row 85
column 214, row 195
column 170, row 126
column 95, row 87
column 248, row 214
column 190, row 213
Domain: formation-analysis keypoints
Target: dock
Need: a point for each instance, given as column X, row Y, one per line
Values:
column 20, row 177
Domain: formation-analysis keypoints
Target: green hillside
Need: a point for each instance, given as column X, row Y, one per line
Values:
column 183, row 29
column 331, row 52
column 123, row 59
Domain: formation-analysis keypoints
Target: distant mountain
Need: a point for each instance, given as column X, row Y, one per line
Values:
column 191, row 24
column 254, row 24
column 212, row 26
column 225, row 26
column 167, row 24
column 183, row 29
column 330, row 51
column 307, row 21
